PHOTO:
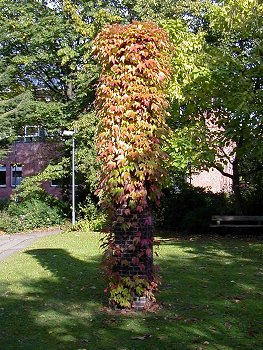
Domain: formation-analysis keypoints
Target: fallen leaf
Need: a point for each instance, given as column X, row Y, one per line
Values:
column 84, row 340
column 258, row 273
column 236, row 298
column 227, row 325
column 196, row 340
column 111, row 321
column 212, row 329
column 161, row 337
column 252, row 332
column 191, row 320
column 178, row 318
column 143, row 337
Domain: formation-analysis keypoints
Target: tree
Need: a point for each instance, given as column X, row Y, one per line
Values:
column 47, row 73
column 32, row 36
column 48, row 76
column 132, row 108
column 219, row 95
column 43, row 62
column 240, row 48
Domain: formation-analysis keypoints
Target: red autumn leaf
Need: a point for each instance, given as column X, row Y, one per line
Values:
column 149, row 252
column 155, row 107
column 139, row 209
column 131, row 247
column 111, row 165
column 136, row 240
column 142, row 267
column 127, row 211
column 145, row 242
column 150, row 63
column 135, row 260
column 141, row 66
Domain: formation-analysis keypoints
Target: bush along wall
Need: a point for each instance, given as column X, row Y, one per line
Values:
column 132, row 109
column 187, row 209
column 31, row 214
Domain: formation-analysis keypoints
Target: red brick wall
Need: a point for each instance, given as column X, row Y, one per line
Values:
column 33, row 156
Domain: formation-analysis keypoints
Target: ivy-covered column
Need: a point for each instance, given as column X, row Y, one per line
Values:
column 135, row 247
column 132, row 107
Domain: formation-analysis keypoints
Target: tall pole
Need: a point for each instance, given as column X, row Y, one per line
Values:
column 73, row 181
column 71, row 133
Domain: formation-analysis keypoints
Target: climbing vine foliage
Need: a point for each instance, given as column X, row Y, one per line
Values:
column 132, row 106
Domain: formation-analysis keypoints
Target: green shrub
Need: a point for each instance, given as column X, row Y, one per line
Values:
column 90, row 217
column 5, row 220
column 3, row 204
column 252, row 199
column 189, row 209
column 30, row 214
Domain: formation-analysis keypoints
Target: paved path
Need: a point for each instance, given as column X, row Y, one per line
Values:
column 10, row 244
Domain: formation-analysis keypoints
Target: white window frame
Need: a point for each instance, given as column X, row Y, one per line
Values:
column 54, row 185
column 32, row 131
column 3, row 169
column 16, row 180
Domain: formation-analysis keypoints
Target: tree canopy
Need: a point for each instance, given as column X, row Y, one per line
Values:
column 48, row 75
column 218, row 89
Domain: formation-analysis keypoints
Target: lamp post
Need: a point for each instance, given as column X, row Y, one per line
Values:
column 72, row 134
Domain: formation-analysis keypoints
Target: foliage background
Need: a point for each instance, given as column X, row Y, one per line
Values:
column 48, row 77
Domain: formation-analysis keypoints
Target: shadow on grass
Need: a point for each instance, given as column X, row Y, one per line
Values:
column 211, row 294
column 46, row 314
column 216, row 286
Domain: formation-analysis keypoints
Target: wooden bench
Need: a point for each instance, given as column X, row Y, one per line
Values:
column 236, row 221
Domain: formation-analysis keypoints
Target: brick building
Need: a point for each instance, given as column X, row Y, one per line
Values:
column 33, row 151
column 212, row 180
column 26, row 157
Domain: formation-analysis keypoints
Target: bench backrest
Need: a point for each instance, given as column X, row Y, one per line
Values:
column 236, row 218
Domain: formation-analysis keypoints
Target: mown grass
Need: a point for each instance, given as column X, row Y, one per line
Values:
column 52, row 298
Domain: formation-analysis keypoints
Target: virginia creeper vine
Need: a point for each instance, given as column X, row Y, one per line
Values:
column 132, row 108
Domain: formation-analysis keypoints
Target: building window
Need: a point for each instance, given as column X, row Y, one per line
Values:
column 55, row 183
column 3, row 176
column 16, row 174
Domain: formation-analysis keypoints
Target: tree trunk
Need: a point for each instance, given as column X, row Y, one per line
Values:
column 236, row 188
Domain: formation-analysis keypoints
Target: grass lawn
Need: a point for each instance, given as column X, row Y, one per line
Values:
column 51, row 298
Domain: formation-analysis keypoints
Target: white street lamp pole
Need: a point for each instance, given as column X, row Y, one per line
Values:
column 73, row 181
column 72, row 133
